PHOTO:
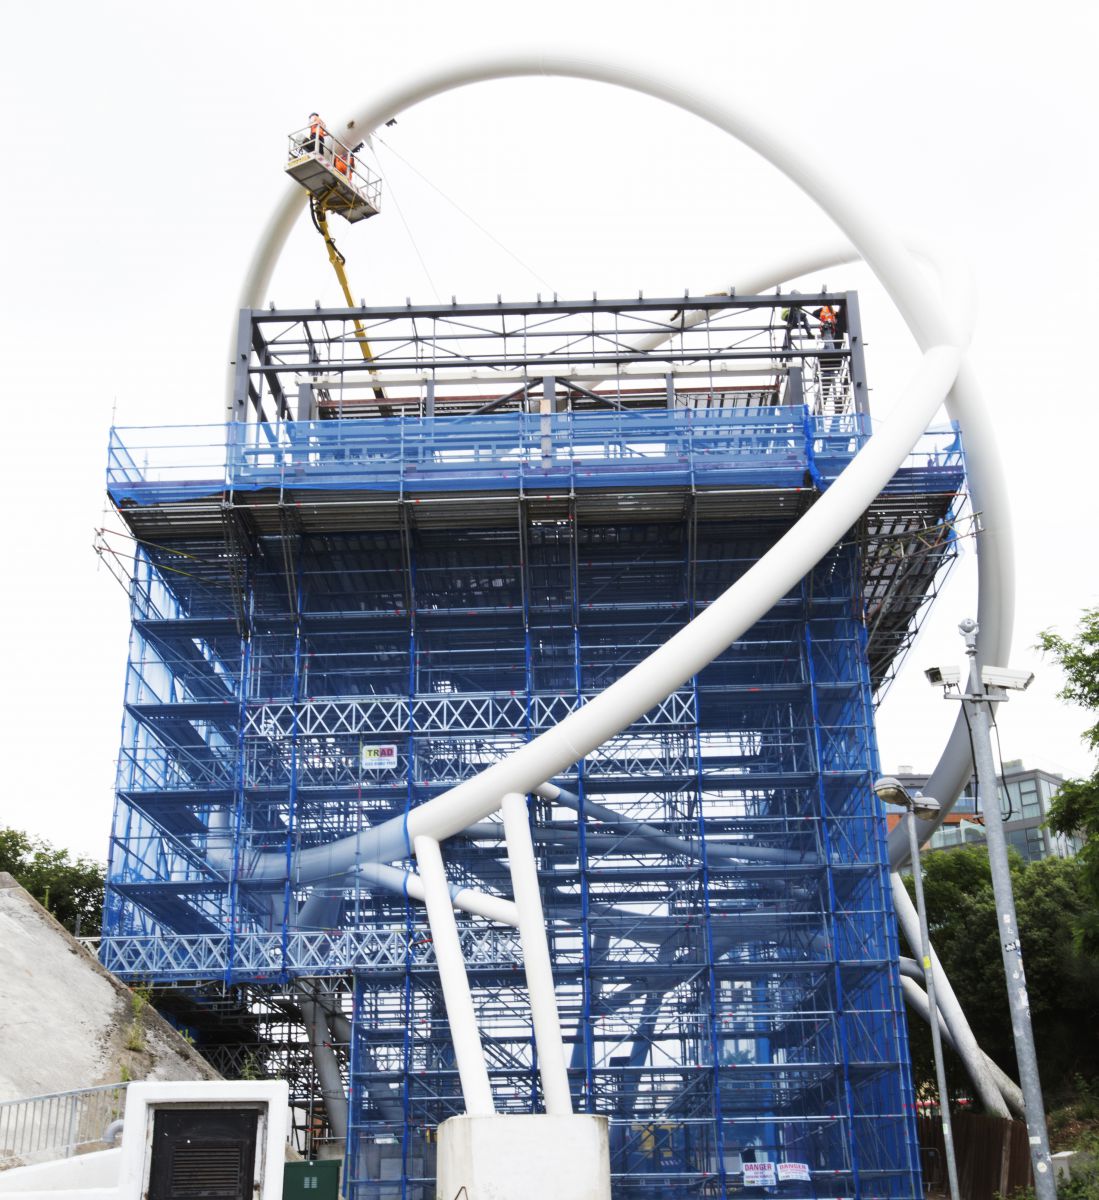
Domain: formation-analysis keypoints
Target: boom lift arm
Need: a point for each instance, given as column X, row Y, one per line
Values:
column 320, row 220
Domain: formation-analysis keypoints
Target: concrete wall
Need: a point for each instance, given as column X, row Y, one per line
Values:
column 67, row 1023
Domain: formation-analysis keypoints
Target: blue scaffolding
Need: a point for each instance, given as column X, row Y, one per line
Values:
column 380, row 578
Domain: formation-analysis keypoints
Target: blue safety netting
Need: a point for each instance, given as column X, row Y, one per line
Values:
column 774, row 447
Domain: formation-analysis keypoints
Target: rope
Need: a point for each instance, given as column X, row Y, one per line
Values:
column 392, row 194
column 471, row 219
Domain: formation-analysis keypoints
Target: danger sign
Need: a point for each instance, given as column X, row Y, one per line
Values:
column 759, row 1174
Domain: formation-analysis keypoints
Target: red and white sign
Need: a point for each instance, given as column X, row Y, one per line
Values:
column 759, row 1174
column 793, row 1172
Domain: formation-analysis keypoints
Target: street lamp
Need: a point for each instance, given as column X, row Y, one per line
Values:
column 892, row 791
column 985, row 685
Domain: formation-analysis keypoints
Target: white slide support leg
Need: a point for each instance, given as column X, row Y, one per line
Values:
column 455, row 983
column 536, row 956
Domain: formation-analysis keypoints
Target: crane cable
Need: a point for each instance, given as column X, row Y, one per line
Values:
column 320, row 220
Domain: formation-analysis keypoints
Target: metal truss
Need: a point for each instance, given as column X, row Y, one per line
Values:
column 253, row 957
column 378, row 716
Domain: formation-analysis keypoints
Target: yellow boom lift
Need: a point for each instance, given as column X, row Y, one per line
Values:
column 327, row 169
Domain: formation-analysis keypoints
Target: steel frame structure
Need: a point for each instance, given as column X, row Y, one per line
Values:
column 446, row 570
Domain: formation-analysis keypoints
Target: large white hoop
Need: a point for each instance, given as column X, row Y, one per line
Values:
column 927, row 316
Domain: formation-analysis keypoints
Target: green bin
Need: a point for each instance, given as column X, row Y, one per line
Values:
column 316, row 1180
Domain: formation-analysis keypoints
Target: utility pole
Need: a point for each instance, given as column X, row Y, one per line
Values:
column 976, row 701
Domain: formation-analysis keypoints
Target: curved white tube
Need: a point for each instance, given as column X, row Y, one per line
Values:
column 949, row 1006
column 557, row 795
column 326, row 1063
column 884, row 255
column 478, row 904
column 917, row 1000
column 995, row 555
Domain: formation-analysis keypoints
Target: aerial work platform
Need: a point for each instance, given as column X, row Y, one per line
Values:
column 329, row 172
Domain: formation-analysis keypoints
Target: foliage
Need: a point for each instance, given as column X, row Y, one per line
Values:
column 252, row 1067
column 1084, row 1182
column 139, row 1002
column 1062, row 981
column 1075, row 809
column 70, row 888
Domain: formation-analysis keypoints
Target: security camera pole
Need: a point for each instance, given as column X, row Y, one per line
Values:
column 976, row 702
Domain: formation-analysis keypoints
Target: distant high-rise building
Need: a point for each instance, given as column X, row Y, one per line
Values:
column 1025, row 794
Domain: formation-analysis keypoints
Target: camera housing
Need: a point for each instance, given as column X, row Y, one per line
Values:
column 1005, row 677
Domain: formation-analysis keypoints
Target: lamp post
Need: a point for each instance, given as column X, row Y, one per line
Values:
column 892, row 791
column 987, row 684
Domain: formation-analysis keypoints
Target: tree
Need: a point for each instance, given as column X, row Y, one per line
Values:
column 1062, row 981
column 71, row 889
column 1074, row 811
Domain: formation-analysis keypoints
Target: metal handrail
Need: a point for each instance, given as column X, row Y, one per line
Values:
column 337, row 155
column 58, row 1124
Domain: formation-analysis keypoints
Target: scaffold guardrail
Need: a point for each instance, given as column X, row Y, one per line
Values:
column 772, row 447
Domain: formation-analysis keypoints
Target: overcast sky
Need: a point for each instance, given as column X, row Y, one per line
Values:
column 144, row 152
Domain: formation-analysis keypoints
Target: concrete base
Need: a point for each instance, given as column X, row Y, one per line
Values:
column 536, row 1157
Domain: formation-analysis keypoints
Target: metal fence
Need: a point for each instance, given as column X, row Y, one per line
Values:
column 59, row 1125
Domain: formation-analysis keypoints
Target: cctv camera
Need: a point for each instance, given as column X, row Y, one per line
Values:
column 1005, row 677
column 944, row 676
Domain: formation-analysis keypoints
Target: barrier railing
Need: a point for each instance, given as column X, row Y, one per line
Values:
column 768, row 447
column 57, row 1125
column 339, row 156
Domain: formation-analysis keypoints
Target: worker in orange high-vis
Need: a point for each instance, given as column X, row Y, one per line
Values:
column 826, row 315
column 345, row 163
column 317, row 134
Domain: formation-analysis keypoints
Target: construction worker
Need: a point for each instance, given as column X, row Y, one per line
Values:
column 317, row 134
column 345, row 160
column 826, row 315
column 796, row 322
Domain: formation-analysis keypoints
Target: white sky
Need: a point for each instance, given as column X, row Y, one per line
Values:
column 144, row 152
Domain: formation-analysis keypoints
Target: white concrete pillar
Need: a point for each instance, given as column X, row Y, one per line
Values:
column 455, row 983
column 536, row 956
